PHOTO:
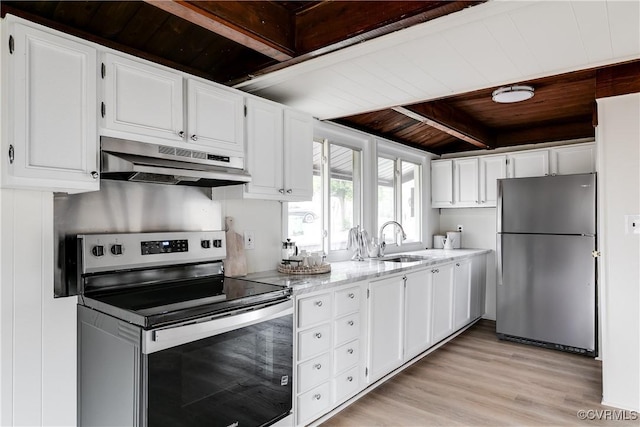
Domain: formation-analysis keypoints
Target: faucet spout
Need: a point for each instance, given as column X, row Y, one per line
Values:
column 382, row 245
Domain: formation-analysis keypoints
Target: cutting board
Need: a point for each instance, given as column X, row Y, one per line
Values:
column 236, row 263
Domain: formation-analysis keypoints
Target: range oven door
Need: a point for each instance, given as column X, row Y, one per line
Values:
column 232, row 371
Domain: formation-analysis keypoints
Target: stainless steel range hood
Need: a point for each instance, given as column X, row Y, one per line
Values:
column 127, row 160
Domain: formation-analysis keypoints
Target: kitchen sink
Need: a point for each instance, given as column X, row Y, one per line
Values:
column 405, row 258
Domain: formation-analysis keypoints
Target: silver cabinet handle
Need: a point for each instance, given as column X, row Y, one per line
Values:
column 289, row 191
column 95, row 174
column 12, row 154
column 181, row 134
column 194, row 137
column 317, row 396
column 350, row 322
column 352, row 295
column 318, row 335
column 350, row 351
column 350, row 378
column 319, row 303
column 317, row 366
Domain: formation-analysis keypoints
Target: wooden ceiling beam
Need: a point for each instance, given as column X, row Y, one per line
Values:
column 618, row 80
column 537, row 133
column 451, row 121
column 260, row 26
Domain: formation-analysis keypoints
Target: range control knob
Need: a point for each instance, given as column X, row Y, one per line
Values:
column 217, row 243
column 97, row 250
column 116, row 249
column 206, row 244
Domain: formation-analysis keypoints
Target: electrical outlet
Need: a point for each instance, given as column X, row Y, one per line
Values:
column 632, row 224
column 460, row 228
column 249, row 240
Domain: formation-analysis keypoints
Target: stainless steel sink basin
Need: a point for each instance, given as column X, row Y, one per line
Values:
column 405, row 258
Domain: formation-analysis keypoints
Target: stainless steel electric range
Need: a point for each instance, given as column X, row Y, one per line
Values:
column 164, row 339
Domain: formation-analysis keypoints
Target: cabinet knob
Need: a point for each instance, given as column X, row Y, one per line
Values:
column 317, row 396
column 281, row 191
column 289, row 191
column 95, row 174
column 350, row 322
column 181, row 134
column 319, row 303
column 350, row 378
column 351, row 295
column 317, row 366
column 457, row 264
column 194, row 137
column 318, row 335
column 350, row 351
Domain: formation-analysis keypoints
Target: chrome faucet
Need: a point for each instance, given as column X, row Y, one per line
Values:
column 381, row 244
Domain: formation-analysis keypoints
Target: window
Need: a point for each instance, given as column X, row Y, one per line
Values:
column 399, row 199
column 323, row 223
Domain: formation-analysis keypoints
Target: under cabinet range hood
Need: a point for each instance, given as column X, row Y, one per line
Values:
column 127, row 160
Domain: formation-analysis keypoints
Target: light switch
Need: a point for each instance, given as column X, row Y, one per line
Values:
column 632, row 224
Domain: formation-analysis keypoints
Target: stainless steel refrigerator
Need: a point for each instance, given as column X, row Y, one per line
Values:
column 546, row 279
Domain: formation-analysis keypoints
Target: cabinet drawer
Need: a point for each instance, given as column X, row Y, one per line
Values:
column 347, row 328
column 314, row 310
column 314, row 341
column 346, row 356
column 347, row 301
column 313, row 403
column 313, row 372
column 345, row 385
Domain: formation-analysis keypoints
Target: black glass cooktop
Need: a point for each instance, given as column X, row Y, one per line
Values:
column 158, row 305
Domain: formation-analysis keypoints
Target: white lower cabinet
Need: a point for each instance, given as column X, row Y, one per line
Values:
column 441, row 277
column 418, row 294
column 461, row 293
column 329, row 361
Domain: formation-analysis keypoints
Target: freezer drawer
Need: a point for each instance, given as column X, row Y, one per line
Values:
column 546, row 289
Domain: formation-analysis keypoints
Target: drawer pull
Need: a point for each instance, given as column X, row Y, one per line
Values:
column 317, row 396
column 457, row 264
column 319, row 303
column 317, row 366
column 317, row 335
column 350, row 351
column 350, row 378
column 352, row 295
column 350, row 322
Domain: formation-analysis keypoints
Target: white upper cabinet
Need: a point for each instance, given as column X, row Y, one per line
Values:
column 215, row 116
column 441, row 183
column 528, row 163
column 50, row 102
column 573, row 159
column 142, row 99
column 492, row 168
column 279, row 152
column 465, row 179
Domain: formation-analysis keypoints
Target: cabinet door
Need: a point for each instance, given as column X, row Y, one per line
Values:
column 442, row 183
column 52, row 112
column 573, row 159
column 264, row 148
column 143, row 99
column 298, row 155
column 386, row 319
column 216, row 117
column 529, row 163
column 417, row 305
column 491, row 170
column 461, row 293
column 442, row 302
column 478, row 281
column 466, row 182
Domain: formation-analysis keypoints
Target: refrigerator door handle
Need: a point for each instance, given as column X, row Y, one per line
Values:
column 499, row 260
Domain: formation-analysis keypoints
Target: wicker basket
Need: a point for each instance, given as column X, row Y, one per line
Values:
column 290, row 269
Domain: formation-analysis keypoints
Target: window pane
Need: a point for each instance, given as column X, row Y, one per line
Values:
column 386, row 194
column 411, row 204
column 305, row 218
column 341, row 161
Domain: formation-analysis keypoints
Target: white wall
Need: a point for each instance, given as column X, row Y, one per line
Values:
column 618, row 135
column 479, row 231
column 38, row 332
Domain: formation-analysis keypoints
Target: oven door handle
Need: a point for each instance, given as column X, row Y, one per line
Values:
column 161, row 339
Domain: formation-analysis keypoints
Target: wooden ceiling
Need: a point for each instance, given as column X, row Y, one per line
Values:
column 230, row 42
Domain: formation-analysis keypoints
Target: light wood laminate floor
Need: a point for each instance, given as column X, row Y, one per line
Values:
column 477, row 380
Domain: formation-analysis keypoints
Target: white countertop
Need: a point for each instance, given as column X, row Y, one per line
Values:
column 345, row 272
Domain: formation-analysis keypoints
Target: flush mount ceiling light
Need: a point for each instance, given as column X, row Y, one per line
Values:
column 509, row 94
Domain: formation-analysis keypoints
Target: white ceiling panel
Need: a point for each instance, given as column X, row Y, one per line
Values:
column 480, row 50
column 483, row 46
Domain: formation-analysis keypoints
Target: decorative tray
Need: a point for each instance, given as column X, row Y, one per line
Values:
column 300, row 269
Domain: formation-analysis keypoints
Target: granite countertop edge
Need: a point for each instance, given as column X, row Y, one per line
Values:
column 345, row 272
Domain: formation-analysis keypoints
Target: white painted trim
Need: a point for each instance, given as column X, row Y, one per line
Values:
column 513, row 149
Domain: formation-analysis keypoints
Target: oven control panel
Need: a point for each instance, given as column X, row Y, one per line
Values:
column 105, row 252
